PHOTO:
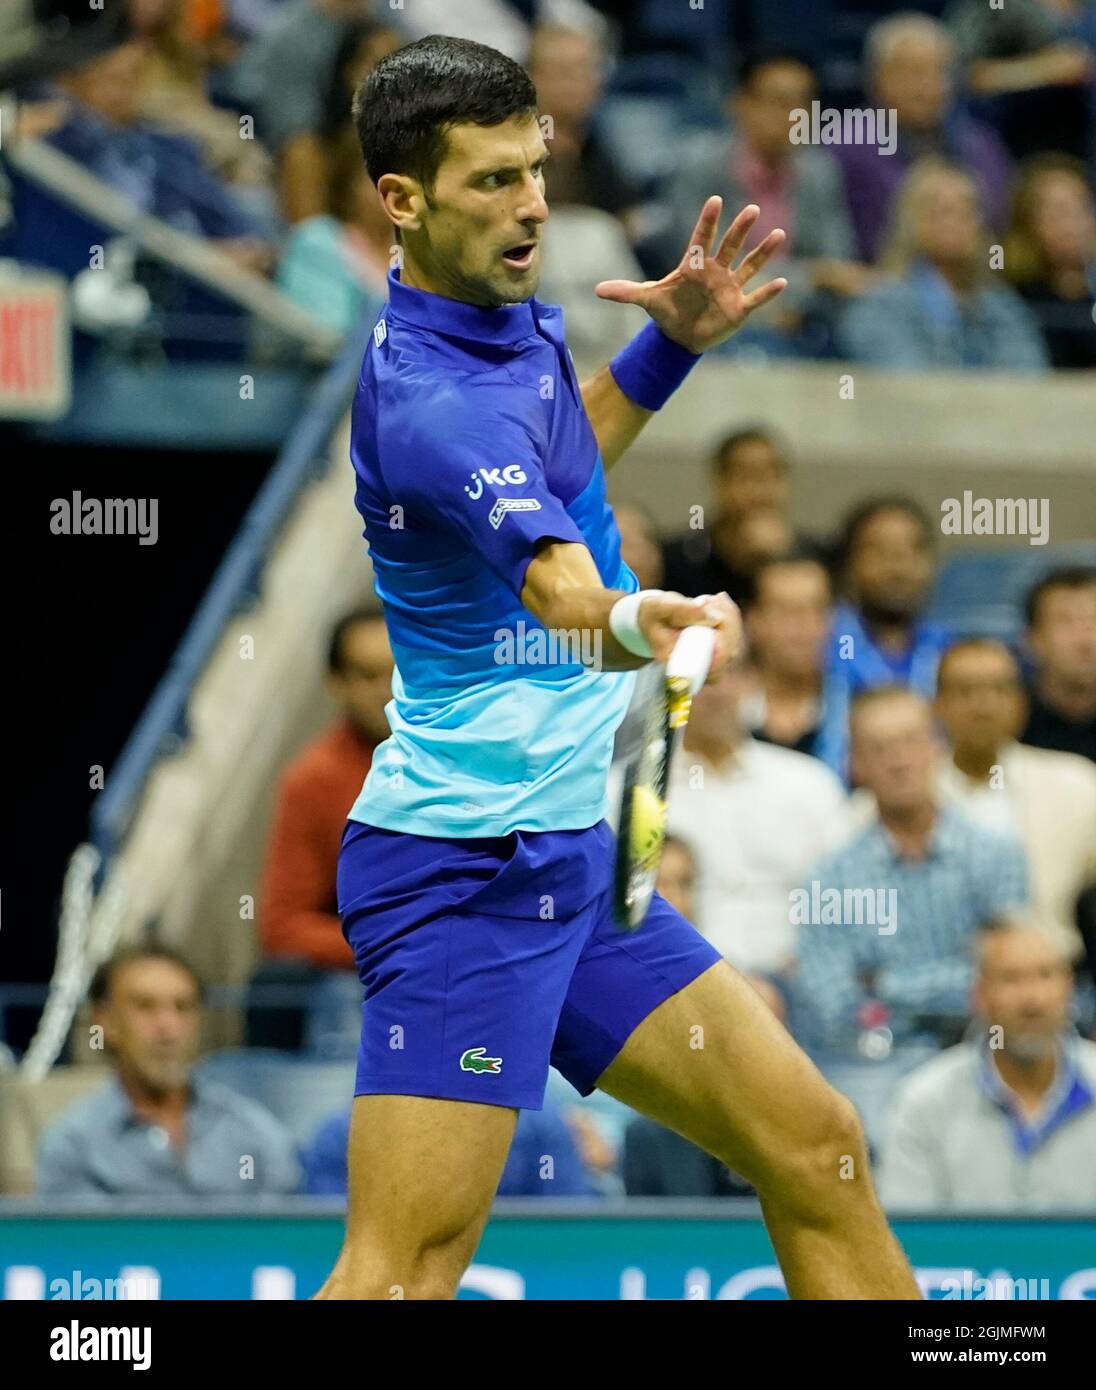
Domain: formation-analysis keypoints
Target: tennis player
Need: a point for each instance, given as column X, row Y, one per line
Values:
column 475, row 872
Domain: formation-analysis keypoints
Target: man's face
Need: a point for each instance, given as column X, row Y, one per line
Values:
column 1063, row 636
column 364, row 685
column 714, row 715
column 763, row 107
column 677, row 879
column 150, row 1022
column 915, row 81
column 751, row 475
column 790, row 620
column 979, row 699
column 1064, row 218
column 477, row 240
column 891, row 566
column 894, row 752
column 1023, row 987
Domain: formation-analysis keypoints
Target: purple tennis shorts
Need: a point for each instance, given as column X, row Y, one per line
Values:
column 484, row 961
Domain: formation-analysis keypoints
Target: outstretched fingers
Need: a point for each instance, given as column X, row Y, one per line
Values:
column 735, row 236
column 761, row 253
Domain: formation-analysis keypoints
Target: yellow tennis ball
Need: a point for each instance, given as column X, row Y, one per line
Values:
column 648, row 823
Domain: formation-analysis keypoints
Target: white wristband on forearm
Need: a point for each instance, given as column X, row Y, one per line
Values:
column 624, row 621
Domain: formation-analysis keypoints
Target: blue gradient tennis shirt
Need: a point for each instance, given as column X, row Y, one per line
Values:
column 471, row 444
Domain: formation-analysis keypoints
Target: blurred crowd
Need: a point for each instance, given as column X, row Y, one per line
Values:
column 933, row 168
column 888, row 826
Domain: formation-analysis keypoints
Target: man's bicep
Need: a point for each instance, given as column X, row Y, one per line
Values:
column 555, row 567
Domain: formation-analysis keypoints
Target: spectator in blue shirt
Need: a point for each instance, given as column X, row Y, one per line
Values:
column 544, row 1159
column 879, row 636
column 888, row 922
column 943, row 306
column 155, row 1129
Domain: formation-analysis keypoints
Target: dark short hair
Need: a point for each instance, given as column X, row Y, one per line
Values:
column 967, row 644
column 872, row 507
column 103, row 980
column 406, row 105
column 335, row 654
column 751, row 434
column 1067, row 577
column 798, row 555
column 765, row 55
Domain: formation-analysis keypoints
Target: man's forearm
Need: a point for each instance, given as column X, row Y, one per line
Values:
column 616, row 420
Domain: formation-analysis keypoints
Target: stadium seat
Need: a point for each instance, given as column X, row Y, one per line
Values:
column 297, row 1091
column 982, row 594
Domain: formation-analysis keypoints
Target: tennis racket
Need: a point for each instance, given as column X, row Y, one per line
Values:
column 641, row 825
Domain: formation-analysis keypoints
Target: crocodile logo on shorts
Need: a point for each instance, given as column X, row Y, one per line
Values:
column 474, row 1060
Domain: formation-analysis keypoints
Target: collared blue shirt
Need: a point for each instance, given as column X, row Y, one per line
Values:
column 1069, row 1094
column 921, row 963
column 471, row 446
column 854, row 663
column 101, row 1147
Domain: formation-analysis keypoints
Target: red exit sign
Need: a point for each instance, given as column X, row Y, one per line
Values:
column 35, row 347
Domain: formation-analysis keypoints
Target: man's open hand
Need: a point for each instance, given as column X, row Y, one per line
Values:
column 704, row 300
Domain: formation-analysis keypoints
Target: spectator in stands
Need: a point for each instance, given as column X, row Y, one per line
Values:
column 1061, row 636
column 1046, row 799
column 787, row 625
column 156, row 1129
column 750, row 473
column 879, row 636
column 798, row 187
column 639, row 547
column 941, row 309
column 1006, row 1120
column 656, row 1162
column 160, row 172
column 889, row 919
column 568, row 70
column 175, row 91
column 315, row 164
column 285, row 72
column 299, row 923
column 757, row 816
column 911, row 74
column 1031, row 62
column 336, row 264
column 544, row 1159
column 1050, row 255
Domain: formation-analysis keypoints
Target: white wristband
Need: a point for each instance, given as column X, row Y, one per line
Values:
column 624, row 621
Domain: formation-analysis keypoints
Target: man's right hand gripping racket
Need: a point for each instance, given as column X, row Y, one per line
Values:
column 641, row 826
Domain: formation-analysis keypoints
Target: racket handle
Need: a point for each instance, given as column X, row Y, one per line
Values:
column 691, row 658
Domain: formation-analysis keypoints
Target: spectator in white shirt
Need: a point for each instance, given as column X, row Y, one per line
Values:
column 757, row 816
column 1006, row 1120
column 1045, row 798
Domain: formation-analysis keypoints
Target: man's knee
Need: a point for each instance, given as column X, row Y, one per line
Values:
column 824, row 1161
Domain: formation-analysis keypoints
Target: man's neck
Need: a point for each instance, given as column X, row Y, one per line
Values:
column 910, row 829
column 959, row 275
column 976, row 763
column 717, row 751
column 152, row 1101
column 892, row 634
column 1028, row 1079
column 1073, row 700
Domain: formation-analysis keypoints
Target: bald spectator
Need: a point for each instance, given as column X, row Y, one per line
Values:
column 1046, row 799
column 879, row 635
column 1061, row 637
column 788, row 627
column 155, row 1128
column 888, row 922
column 299, row 924
column 750, row 473
column 1007, row 1120
column 911, row 65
